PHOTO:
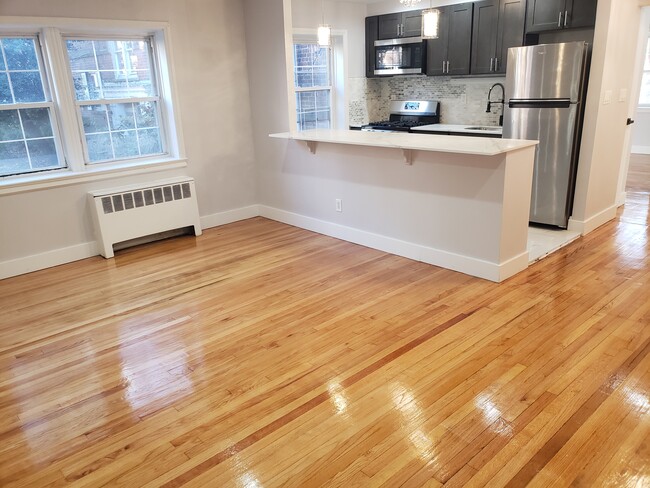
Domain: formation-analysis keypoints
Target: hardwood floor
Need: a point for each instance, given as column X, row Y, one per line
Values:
column 264, row 355
column 638, row 175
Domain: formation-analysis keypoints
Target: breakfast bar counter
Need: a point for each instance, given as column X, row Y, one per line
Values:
column 460, row 202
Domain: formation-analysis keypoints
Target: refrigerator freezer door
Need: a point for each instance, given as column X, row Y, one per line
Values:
column 553, row 171
column 546, row 71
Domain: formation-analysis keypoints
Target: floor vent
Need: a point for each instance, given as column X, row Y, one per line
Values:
column 127, row 213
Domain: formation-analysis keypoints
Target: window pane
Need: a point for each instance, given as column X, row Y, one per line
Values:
column 42, row 153
column 13, row 158
column 10, row 125
column 20, row 53
column 126, row 144
column 94, row 118
column 146, row 115
column 99, row 147
column 121, row 116
column 5, row 91
column 149, row 141
column 311, row 65
column 36, row 122
column 104, row 69
column 646, row 66
column 313, row 109
column 27, row 86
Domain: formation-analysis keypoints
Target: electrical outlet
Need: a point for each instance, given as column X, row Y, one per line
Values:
column 339, row 205
column 622, row 95
column 607, row 99
column 463, row 98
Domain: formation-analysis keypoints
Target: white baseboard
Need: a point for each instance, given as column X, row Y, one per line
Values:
column 592, row 223
column 48, row 259
column 464, row 264
column 640, row 149
column 65, row 255
column 230, row 216
column 620, row 199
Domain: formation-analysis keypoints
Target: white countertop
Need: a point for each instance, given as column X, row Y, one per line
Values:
column 459, row 129
column 480, row 146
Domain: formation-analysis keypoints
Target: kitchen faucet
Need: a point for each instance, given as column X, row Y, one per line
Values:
column 489, row 103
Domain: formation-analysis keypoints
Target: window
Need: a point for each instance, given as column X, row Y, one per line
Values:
column 27, row 136
column 116, row 95
column 83, row 97
column 644, row 100
column 313, row 83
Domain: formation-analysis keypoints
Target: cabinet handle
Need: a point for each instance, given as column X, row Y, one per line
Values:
column 447, row 67
column 566, row 16
column 397, row 30
column 491, row 64
column 559, row 20
column 402, row 28
column 443, row 67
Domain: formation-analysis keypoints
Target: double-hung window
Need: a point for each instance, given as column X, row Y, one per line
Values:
column 313, row 85
column 28, row 138
column 82, row 97
column 117, row 97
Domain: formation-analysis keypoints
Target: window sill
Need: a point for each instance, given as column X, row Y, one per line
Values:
column 644, row 109
column 52, row 179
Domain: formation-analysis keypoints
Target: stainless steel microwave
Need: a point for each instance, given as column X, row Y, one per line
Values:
column 403, row 56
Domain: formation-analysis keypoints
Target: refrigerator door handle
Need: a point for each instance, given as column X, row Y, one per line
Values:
column 537, row 103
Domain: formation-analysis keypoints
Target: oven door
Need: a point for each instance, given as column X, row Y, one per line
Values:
column 400, row 56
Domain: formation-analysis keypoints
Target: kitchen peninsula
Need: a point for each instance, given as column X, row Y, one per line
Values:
column 460, row 202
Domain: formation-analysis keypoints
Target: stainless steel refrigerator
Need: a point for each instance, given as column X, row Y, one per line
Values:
column 544, row 91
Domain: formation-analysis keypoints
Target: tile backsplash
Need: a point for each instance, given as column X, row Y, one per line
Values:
column 462, row 100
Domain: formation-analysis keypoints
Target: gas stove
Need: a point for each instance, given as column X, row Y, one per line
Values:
column 405, row 114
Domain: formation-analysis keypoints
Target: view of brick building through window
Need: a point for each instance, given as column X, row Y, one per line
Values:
column 313, row 83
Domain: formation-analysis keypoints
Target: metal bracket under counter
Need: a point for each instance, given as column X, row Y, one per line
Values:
column 408, row 153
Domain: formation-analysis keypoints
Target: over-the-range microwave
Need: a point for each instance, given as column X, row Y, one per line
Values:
column 403, row 56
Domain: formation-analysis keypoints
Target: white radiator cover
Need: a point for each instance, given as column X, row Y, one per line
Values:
column 129, row 212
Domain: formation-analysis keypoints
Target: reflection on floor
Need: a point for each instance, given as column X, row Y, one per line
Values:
column 542, row 242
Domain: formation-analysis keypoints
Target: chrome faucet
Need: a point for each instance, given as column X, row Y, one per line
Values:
column 500, row 102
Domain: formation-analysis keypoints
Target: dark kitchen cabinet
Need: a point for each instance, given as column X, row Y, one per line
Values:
column 401, row 24
column 498, row 25
column 548, row 15
column 371, row 37
column 450, row 53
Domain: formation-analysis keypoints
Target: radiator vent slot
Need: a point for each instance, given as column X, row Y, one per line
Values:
column 149, row 196
column 130, row 213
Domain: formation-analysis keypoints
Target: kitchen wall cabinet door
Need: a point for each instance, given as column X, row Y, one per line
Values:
column 371, row 37
column 459, row 45
column 400, row 24
column 498, row 26
column 550, row 15
column 581, row 13
column 450, row 53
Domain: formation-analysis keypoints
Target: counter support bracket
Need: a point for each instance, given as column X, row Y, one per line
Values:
column 312, row 146
column 408, row 156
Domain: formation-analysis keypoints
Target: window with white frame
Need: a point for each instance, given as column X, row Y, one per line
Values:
column 72, row 99
column 313, row 85
column 644, row 99
column 28, row 141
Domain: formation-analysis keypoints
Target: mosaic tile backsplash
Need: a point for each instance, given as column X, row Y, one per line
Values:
column 462, row 100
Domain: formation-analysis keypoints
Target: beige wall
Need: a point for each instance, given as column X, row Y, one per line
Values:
column 210, row 70
column 604, row 134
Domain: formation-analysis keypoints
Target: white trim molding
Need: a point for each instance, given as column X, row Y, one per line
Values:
column 640, row 149
column 593, row 222
column 465, row 264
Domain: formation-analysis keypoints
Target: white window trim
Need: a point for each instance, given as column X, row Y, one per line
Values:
column 52, row 31
column 645, row 107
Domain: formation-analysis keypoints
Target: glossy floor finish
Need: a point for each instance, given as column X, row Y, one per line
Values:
column 261, row 355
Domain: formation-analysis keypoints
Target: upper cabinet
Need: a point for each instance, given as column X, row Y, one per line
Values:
column 547, row 15
column 371, row 37
column 498, row 26
column 401, row 24
column 450, row 53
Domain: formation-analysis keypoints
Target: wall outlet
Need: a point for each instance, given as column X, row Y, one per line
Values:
column 463, row 98
column 339, row 205
column 622, row 95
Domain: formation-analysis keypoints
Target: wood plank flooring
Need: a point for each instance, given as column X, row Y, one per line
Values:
column 261, row 355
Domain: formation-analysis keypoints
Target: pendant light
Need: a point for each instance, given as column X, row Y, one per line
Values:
column 324, row 30
column 430, row 23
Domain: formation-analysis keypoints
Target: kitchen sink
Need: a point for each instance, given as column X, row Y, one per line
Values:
column 482, row 128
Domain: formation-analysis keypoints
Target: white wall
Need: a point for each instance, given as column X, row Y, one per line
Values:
column 211, row 76
column 604, row 134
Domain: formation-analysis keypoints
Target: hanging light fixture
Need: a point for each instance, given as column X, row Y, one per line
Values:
column 430, row 23
column 324, row 30
column 409, row 3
